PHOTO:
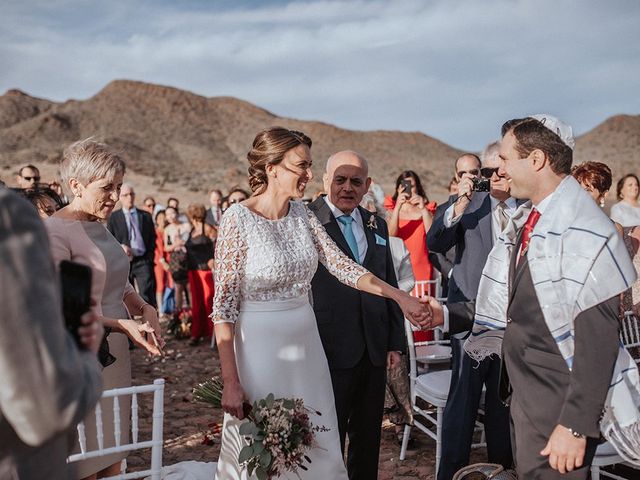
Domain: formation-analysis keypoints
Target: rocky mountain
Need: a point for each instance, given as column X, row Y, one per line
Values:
column 198, row 142
column 191, row 142
column 616, row 142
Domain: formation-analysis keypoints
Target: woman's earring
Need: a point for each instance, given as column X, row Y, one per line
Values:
column 601, row 202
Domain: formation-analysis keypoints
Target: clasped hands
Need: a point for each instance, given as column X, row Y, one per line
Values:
column 425, row 313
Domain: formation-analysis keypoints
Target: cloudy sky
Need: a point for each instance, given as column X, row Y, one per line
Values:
column 453, row 69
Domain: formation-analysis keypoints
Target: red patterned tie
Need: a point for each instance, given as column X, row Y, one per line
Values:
column 534, row 216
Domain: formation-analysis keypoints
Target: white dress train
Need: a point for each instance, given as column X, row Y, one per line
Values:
column 263, row 282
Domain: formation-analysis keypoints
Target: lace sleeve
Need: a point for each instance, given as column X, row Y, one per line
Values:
column 230, row 256
column 329, row 254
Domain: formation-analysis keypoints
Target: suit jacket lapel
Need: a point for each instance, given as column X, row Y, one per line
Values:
column 329, row 222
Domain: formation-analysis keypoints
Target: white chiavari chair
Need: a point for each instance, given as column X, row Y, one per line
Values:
column 155, row 443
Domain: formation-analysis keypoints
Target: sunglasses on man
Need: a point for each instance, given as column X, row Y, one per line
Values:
column 484, row 172
column 35, row 179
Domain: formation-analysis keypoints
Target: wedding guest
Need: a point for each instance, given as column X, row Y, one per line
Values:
column 161, row 262
column 199, row 247
column 28, row 177
column 175, row 236
column 149, row 205
column 627, row 211
column 46, row 201
column 93, row 173
column 135, row 230
column 173, row 202
column 595, row 178
column 214, row 212
column 48, row 385
column 237, row 195
column 410, row 217
column 362, row 335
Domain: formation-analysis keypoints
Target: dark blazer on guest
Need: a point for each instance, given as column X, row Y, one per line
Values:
column 351, row 321
column 117, row 225
column 443, row 262
column 472, row 238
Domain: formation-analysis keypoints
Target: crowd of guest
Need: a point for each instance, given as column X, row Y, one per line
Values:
column 152, row 261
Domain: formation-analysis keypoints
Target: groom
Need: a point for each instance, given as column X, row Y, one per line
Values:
column 362, row 334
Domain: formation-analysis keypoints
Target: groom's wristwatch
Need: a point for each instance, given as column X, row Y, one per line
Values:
column 576, row 434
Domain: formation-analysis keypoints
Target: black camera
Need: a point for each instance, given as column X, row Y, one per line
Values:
column 480, row 184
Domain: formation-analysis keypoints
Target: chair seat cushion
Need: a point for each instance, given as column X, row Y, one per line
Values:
column 433, row 353
column 434, row 386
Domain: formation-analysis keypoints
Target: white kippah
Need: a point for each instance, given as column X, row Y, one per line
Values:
column 558, row 127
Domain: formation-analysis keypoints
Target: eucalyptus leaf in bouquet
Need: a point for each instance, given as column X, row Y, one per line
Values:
column 278, row 432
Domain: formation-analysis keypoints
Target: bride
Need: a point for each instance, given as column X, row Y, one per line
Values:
column 268, row 250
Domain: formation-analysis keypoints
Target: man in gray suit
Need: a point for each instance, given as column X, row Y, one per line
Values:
column 46, row 384
column 362, row 334
column 470, row 225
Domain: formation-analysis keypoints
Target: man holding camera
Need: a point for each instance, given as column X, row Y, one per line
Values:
column 471, row 223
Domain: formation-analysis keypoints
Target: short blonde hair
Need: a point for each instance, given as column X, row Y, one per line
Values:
column 88, row 161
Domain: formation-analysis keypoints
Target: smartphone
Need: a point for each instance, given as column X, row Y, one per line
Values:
column 406, row 186
column 75, row 279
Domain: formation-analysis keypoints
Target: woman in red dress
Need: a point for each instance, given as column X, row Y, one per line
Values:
column 410, row 217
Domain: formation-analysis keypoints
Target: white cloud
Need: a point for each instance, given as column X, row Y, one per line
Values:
column 452, row 69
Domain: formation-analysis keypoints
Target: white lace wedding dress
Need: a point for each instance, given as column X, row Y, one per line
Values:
column 263, row 281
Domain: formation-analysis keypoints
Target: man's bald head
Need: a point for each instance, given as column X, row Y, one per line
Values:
column 346, row 157
column 346, row 179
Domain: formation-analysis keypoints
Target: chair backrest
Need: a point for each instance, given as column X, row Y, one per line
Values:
column 157, row 388
column 432, row 288
column 630, row 334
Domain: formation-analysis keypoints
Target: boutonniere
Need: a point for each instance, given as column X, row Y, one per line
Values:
column 372, row 224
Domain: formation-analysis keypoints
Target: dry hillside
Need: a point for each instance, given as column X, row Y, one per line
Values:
column 195, row 142
column 177, row 142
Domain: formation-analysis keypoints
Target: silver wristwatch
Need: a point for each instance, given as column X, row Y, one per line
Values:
column 576, row 434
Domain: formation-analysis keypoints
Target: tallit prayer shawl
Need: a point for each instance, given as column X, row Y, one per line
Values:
column 577, row 260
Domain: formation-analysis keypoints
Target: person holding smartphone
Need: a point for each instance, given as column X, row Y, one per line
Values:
column 410, row 217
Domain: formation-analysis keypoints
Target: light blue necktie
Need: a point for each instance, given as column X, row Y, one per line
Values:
column 347, row 220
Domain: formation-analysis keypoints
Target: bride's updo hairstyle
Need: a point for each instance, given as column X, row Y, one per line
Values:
column 269, row 148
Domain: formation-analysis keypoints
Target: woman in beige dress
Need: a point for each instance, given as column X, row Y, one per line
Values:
column 94, row 175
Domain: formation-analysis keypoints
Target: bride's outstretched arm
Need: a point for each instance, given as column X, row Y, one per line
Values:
column 230, row 257
column 352, row 274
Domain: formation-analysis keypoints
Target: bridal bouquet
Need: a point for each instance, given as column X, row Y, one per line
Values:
column 278, row 432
